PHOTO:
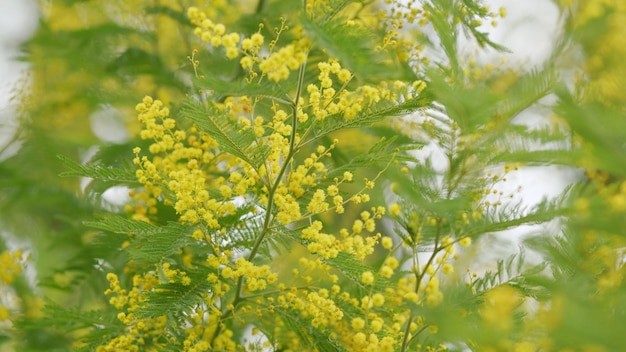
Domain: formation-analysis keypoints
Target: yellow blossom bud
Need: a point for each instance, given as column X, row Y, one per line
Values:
column 394, row 209
column 257, row 39
column 357, row 323
column 232, row 52
column 219, row 29
column 344, row 75
column 359, row 338
column 465, row 242
column 411, row 296
column 246, row 62
column 357, row 227
column 392, row 262
column 378, row 299
column 386, row 271
column 367, row 278
column 387, row 242
column 227, row 273
column 246, row 44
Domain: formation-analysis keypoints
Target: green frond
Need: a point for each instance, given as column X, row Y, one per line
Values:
column 511, row 271
column 120, row 224
column 376, row 113
column 599, row 125
column 173, row 297
column 275, row 242
column 508, row 216
column 538, row 157
column 526, row 91
column 73, row 319
column 447, row 32
column 135, row 61
column 469, row 107
column 353, row 47
column 242, row 236
column 530, row 145
column 472, row 30
column 223, row 87
column 98, row 171
column 309, row 335
column 420, row 190
column 559, row 251
column 350, row 267
column 231, row 138
column 378, row 155
column 149, row 243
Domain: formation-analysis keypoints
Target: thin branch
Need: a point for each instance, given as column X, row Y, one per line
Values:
column 270, row 202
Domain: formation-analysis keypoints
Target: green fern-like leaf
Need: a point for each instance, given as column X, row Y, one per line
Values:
column 223, row 87
column 308, row 334
column 231, row 138
column 97, row 171
column 599, row 125
column 506, row 217
column 539, row 157
column 150, row 243
column 379, row 155
column 526, row 91
column 447, row 32
column 424, row 196
column 175, row 297
column 473, row 30
column 377, row 113
column 470, row 107
column 353, row 47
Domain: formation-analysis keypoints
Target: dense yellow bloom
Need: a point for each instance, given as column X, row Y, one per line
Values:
column 387, row 242
column 279, row 65
column 10, row 266
column 378, row 299
column 188, row 170
column 465, row 241
column 367, row 278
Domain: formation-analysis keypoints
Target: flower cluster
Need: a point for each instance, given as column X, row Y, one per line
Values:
column 257, row 277
column 213, row 33
column 331, row 97
column 11, row 264
column 141, row 333
column 276, row 66
column 182, row 163
column 287, row 197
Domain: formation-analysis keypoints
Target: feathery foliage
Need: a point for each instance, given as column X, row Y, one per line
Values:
column 332, row 175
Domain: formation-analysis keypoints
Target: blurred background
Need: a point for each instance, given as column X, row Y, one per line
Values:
column 18, row 22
